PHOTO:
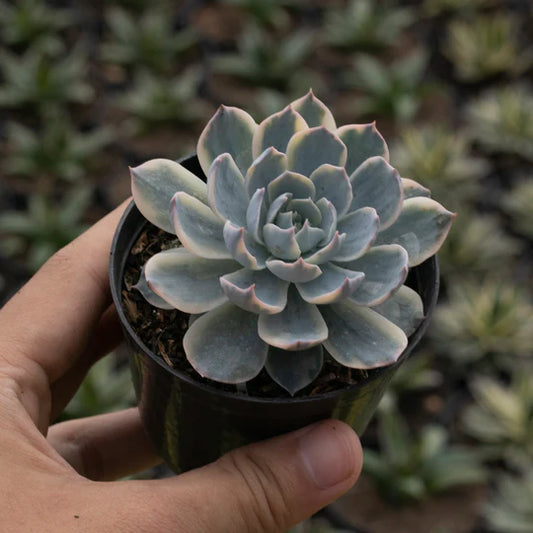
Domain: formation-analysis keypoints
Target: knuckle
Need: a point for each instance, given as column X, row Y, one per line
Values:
column 262, row 503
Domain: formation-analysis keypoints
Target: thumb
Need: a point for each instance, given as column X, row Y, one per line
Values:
column 268, row 486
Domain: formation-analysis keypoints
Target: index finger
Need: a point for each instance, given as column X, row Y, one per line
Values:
column 49, row 321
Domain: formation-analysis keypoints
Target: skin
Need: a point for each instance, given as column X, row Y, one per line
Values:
column 58, row 477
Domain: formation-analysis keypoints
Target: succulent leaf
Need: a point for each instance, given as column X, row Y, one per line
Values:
column 297, row 271
column 231, row 131
column 335, row 283
column 385, row 269
column 362, row 142
column 298, row 327
column 198, row 228
column 378, row 185
column 276, row 131
column 223, row 345
column 154, row 183
column 298, row 185
column 360, row 229
column 308, row 236
column 149, row 295
column 277, row 205
column 361, row 338
column 280, row 242
column 309, row 149
column 225, row 190
column 294, row 370
column 327, row 253
column 314, row 112
column 412, row 189
column 249, row 253
column 404, row 308
column 333, row 184
column 256, row 215
column 188, row 282
column 328, row 224
column 421, row 229
column 306, row 209
column 267, row 167
column 257, row 291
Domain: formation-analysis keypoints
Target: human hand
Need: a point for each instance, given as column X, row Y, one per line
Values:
column 51, row 332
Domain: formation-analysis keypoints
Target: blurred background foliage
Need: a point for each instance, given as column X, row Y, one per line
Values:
column 88, row 88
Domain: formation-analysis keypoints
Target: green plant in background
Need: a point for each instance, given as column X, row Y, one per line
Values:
column 518, row 203
column 502, row 415
column 266, row 60
column 156, row 101
column 33, row 23
column 389, row 90
column 437, row 7
column 465, row 252
column 501, row 121
column 415, row 374
column 266, row 12
column 45, row 226
column 149, row 39
column 441, row 160
column 509, row 510
column 411, row 468
column 57, row 152
column 363, row 25
column 37, row 80
column 491, row 319
column 486, row 46
column 106, row 388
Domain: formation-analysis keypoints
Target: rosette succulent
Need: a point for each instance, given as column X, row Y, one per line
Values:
column 295, row 249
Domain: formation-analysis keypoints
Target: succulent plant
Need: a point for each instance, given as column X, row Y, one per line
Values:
column 363, row 25
column 393, row 90
column 501, row 120
column 502, row 415
column 486, row 46
column 300, row 242
column 440, row 158
column 412, row 467
column 509, row 509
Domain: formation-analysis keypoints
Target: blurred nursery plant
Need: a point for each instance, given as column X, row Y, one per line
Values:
column 518, row 203
column 156, row 101
column 486, row 46
column 37, row 80
column 106, row 388
column 149, row 39
column 502, row 415
column 58, row 151
column 465, row 252
column 33, row 22
column 45, row 227
column 365, row 26
column 490, row 319
column 411, row 468
column 266, row 12
column 510, row 510
column 268, row 61
column 441, row 160
column 502, row 121
column 392, row 91
column 438, row 7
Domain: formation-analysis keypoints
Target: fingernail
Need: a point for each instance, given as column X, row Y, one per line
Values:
column 328, row 453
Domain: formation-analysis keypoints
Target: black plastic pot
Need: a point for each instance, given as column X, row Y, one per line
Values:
column 192, row 424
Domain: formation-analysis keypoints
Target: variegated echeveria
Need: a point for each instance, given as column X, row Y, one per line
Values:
column 300, row 241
